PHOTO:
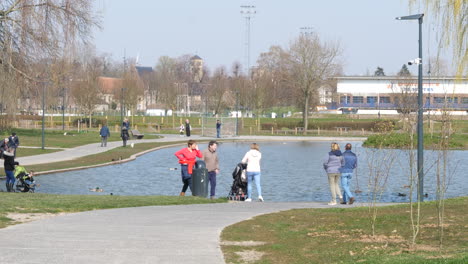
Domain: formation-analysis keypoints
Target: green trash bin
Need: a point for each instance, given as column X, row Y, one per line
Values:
column 200, row 179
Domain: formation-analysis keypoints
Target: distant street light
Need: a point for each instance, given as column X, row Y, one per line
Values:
column 419, row 17
column 43, row 114
column 237, row 113
column 63, row 109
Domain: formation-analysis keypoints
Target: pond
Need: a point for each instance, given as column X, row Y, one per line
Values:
column 291, row 171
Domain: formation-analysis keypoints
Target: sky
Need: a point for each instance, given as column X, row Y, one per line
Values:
column 215, row 30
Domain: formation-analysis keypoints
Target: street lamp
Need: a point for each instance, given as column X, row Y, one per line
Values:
column 237, row 113
column 63, row 109
column 419, row 17
column 43, row 115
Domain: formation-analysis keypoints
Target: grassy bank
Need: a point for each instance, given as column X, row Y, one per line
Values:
column 116, row 154
column 24, row 152
column 27, row 204
column 401, row 140
column 342, row 235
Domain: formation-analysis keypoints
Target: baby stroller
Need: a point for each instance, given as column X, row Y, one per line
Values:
column 22, row 185
column 239, row 185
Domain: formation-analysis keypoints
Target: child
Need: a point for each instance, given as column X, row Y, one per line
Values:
column 29, row 183
column 181, row 130
column 26, row 179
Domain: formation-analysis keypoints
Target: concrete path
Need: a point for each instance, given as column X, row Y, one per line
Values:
column 155, row 234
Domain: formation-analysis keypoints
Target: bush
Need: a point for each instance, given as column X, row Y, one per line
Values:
column 95, row 122
column 383, row 126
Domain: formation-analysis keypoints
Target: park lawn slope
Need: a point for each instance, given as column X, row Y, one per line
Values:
column 28, row 204
column 113, row 155
column 343, row 235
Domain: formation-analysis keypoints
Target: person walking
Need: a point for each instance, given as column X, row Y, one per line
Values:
column 350, row 163
column 4, row 146
column 13, row 143
column 187, row 157
column 124, row 135
column 212, row 165
column 9, row 166
column 218, row 128
column 187, row 127
column 332, row 165
column 126, row 123
column 252, row 159
column 105, row 133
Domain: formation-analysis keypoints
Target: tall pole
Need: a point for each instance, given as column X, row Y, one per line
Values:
column 63, row 110
column 43, row 115
column 237, row 113
column 420, row 119
column 248, row 11
column 420, row 166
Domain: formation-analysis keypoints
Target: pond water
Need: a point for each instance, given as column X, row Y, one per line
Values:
column 291, row 171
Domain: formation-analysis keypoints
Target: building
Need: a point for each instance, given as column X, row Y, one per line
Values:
column 393, row 92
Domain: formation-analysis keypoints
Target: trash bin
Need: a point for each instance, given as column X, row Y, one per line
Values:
column 200, row 179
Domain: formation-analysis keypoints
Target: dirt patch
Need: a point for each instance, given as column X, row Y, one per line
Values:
column 333, row 233
column 248, row 256
column 29, row 217
column 434, row 225
column 381, row 239
column 243, row 243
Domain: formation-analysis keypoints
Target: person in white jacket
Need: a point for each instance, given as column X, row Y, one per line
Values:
column 252, row 158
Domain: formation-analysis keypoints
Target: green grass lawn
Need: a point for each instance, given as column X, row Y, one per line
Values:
column 57, row 139
column 39, row 203
column 401, row 140
column 24, row 152
column 340, row 235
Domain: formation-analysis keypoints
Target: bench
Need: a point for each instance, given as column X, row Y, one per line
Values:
column 341, row 129
column 136, row 134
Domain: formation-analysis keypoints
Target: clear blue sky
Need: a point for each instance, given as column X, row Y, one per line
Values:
column 215, row 30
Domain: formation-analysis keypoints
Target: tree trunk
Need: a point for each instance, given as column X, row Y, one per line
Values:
column 305, row 114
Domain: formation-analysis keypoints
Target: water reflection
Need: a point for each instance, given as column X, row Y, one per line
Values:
column 291, row 171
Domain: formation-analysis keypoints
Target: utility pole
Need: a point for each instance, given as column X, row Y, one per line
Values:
column 248, row 11
column 122, row 108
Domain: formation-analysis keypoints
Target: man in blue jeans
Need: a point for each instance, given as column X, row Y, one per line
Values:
column 347, row 173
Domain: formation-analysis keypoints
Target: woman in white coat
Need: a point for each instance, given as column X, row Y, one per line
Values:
column 252, row 158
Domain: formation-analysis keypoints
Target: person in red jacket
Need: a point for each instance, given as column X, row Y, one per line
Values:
column 187, row 157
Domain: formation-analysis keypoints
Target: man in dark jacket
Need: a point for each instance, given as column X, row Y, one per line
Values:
column 350, row 163
column 13, row 143
column 105, row 133
column 124, row 135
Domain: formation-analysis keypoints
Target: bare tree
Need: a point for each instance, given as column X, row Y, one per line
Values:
column 33, row 29
column 218, row 88
column 86, row 90
column 165, row 71
column 451, row 18
column 312, row 62
column 275, row 64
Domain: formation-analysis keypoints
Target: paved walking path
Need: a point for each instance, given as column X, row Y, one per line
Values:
column 155, row 234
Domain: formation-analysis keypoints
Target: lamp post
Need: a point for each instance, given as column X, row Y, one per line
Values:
column 63, row 109
column 419, row 17
column 43, row 115
column 237, row 113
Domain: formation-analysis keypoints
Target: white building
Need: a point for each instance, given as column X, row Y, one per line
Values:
column 384, row 92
